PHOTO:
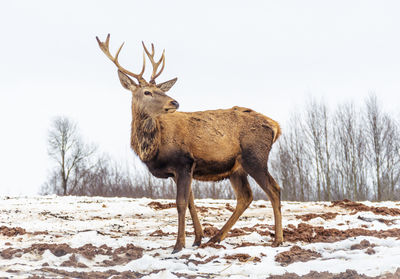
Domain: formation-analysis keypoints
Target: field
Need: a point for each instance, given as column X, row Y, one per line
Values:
column 82, row 237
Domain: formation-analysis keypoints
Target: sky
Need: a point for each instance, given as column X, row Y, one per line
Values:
column 266, row 55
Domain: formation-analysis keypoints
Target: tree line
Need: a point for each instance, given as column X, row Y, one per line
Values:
column 348, row 152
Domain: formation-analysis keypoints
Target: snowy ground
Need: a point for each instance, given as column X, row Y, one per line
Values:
column 82, row 237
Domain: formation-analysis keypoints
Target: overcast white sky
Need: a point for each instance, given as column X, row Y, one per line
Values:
column 267, row 55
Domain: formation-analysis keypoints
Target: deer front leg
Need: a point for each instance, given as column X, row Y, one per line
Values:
column 198, row 230
column 182, row 198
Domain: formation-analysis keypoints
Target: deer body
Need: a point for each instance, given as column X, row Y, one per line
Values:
column 208, row 139
column 205, row 145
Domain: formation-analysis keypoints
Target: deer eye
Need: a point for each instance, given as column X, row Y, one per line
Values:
column 148, row 93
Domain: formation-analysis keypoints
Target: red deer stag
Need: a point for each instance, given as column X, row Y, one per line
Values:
column 206, row 145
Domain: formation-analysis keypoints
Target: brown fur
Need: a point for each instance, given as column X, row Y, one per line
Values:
column 213, row 138
column 205, row 145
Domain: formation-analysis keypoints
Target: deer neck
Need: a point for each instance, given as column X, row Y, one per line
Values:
column 145, row 135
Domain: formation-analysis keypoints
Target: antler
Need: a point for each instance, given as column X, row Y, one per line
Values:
column 104, row 46
column 154, row 75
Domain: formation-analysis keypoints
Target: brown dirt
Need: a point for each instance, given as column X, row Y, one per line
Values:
column 307, row 233
column 362, row 245
column 118, row 256
column 242, row 258
column 388, row 222
column 94, row 274
column 236, row 232
column 325, row 216
column 348, row 274
column 6, row 231
column 213, row 245
column 159, row 233
column 159, row 206
column 247, row 244
column 73, row 262
column 370, row 251
column 229, row 207
column 356, row 207
column 296, row 254
column 210, row 231
column 197, row 262
column 204, row 209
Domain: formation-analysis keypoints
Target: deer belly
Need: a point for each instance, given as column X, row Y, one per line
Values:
column 210, row 170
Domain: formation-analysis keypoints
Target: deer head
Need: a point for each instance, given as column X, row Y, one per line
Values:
column 147, row 97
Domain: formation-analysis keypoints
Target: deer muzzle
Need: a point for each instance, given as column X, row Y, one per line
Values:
column 171, row 107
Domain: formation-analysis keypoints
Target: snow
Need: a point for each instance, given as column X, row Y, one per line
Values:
column 118, row 222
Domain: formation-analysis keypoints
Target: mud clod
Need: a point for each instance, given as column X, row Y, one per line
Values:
column 159, row 233
column 357, row 207
column 325, row 216
column 6, row 231
column 311, row 234
column 296, row 254
column 242, row 258
column 159, row 206
column 209, row 259
column 212, row 245
column 210, row 231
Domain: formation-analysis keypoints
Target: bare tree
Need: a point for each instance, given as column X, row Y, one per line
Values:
column 66, row 148
column 317, row 131
column 292, row 164
column 350, row 153
column 383, row 148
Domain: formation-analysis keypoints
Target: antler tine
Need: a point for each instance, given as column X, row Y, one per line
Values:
column 106, row 49
column 155, row 65
column 162, row 67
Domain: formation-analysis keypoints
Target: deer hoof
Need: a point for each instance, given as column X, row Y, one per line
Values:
column 197, row 242
column 277, row 243
column 177, row 248
column 215, row 239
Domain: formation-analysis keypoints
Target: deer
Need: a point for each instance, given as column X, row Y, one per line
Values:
column 210, row 145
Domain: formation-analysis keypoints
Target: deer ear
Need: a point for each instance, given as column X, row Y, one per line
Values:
column 126, row 81
column 165, row 86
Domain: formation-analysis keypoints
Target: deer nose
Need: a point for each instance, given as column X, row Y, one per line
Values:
column 175, row 104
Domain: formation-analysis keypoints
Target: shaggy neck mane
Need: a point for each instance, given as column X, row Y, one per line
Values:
column 145, row 135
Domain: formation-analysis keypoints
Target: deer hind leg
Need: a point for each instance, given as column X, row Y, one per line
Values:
column 244, row 197
column 258, row 169
column 273, row 191
column 198, row 230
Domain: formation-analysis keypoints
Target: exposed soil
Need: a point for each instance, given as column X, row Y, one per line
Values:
column 213, row 245
column 242, row 258
column 210, row 231
column 197, row 262
column 385, row 221
column 308, row 233
column 325, row 216
column 94, row 274
column 158, row 206
column 11, row 231
column 362, row 245
column 237, row 232
column 357, row 207
column 296, row 254
column 348, row 274
column 73, row 262
column 118, row 256
column 159, row 233
column 229, row 207
column 247, row 244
